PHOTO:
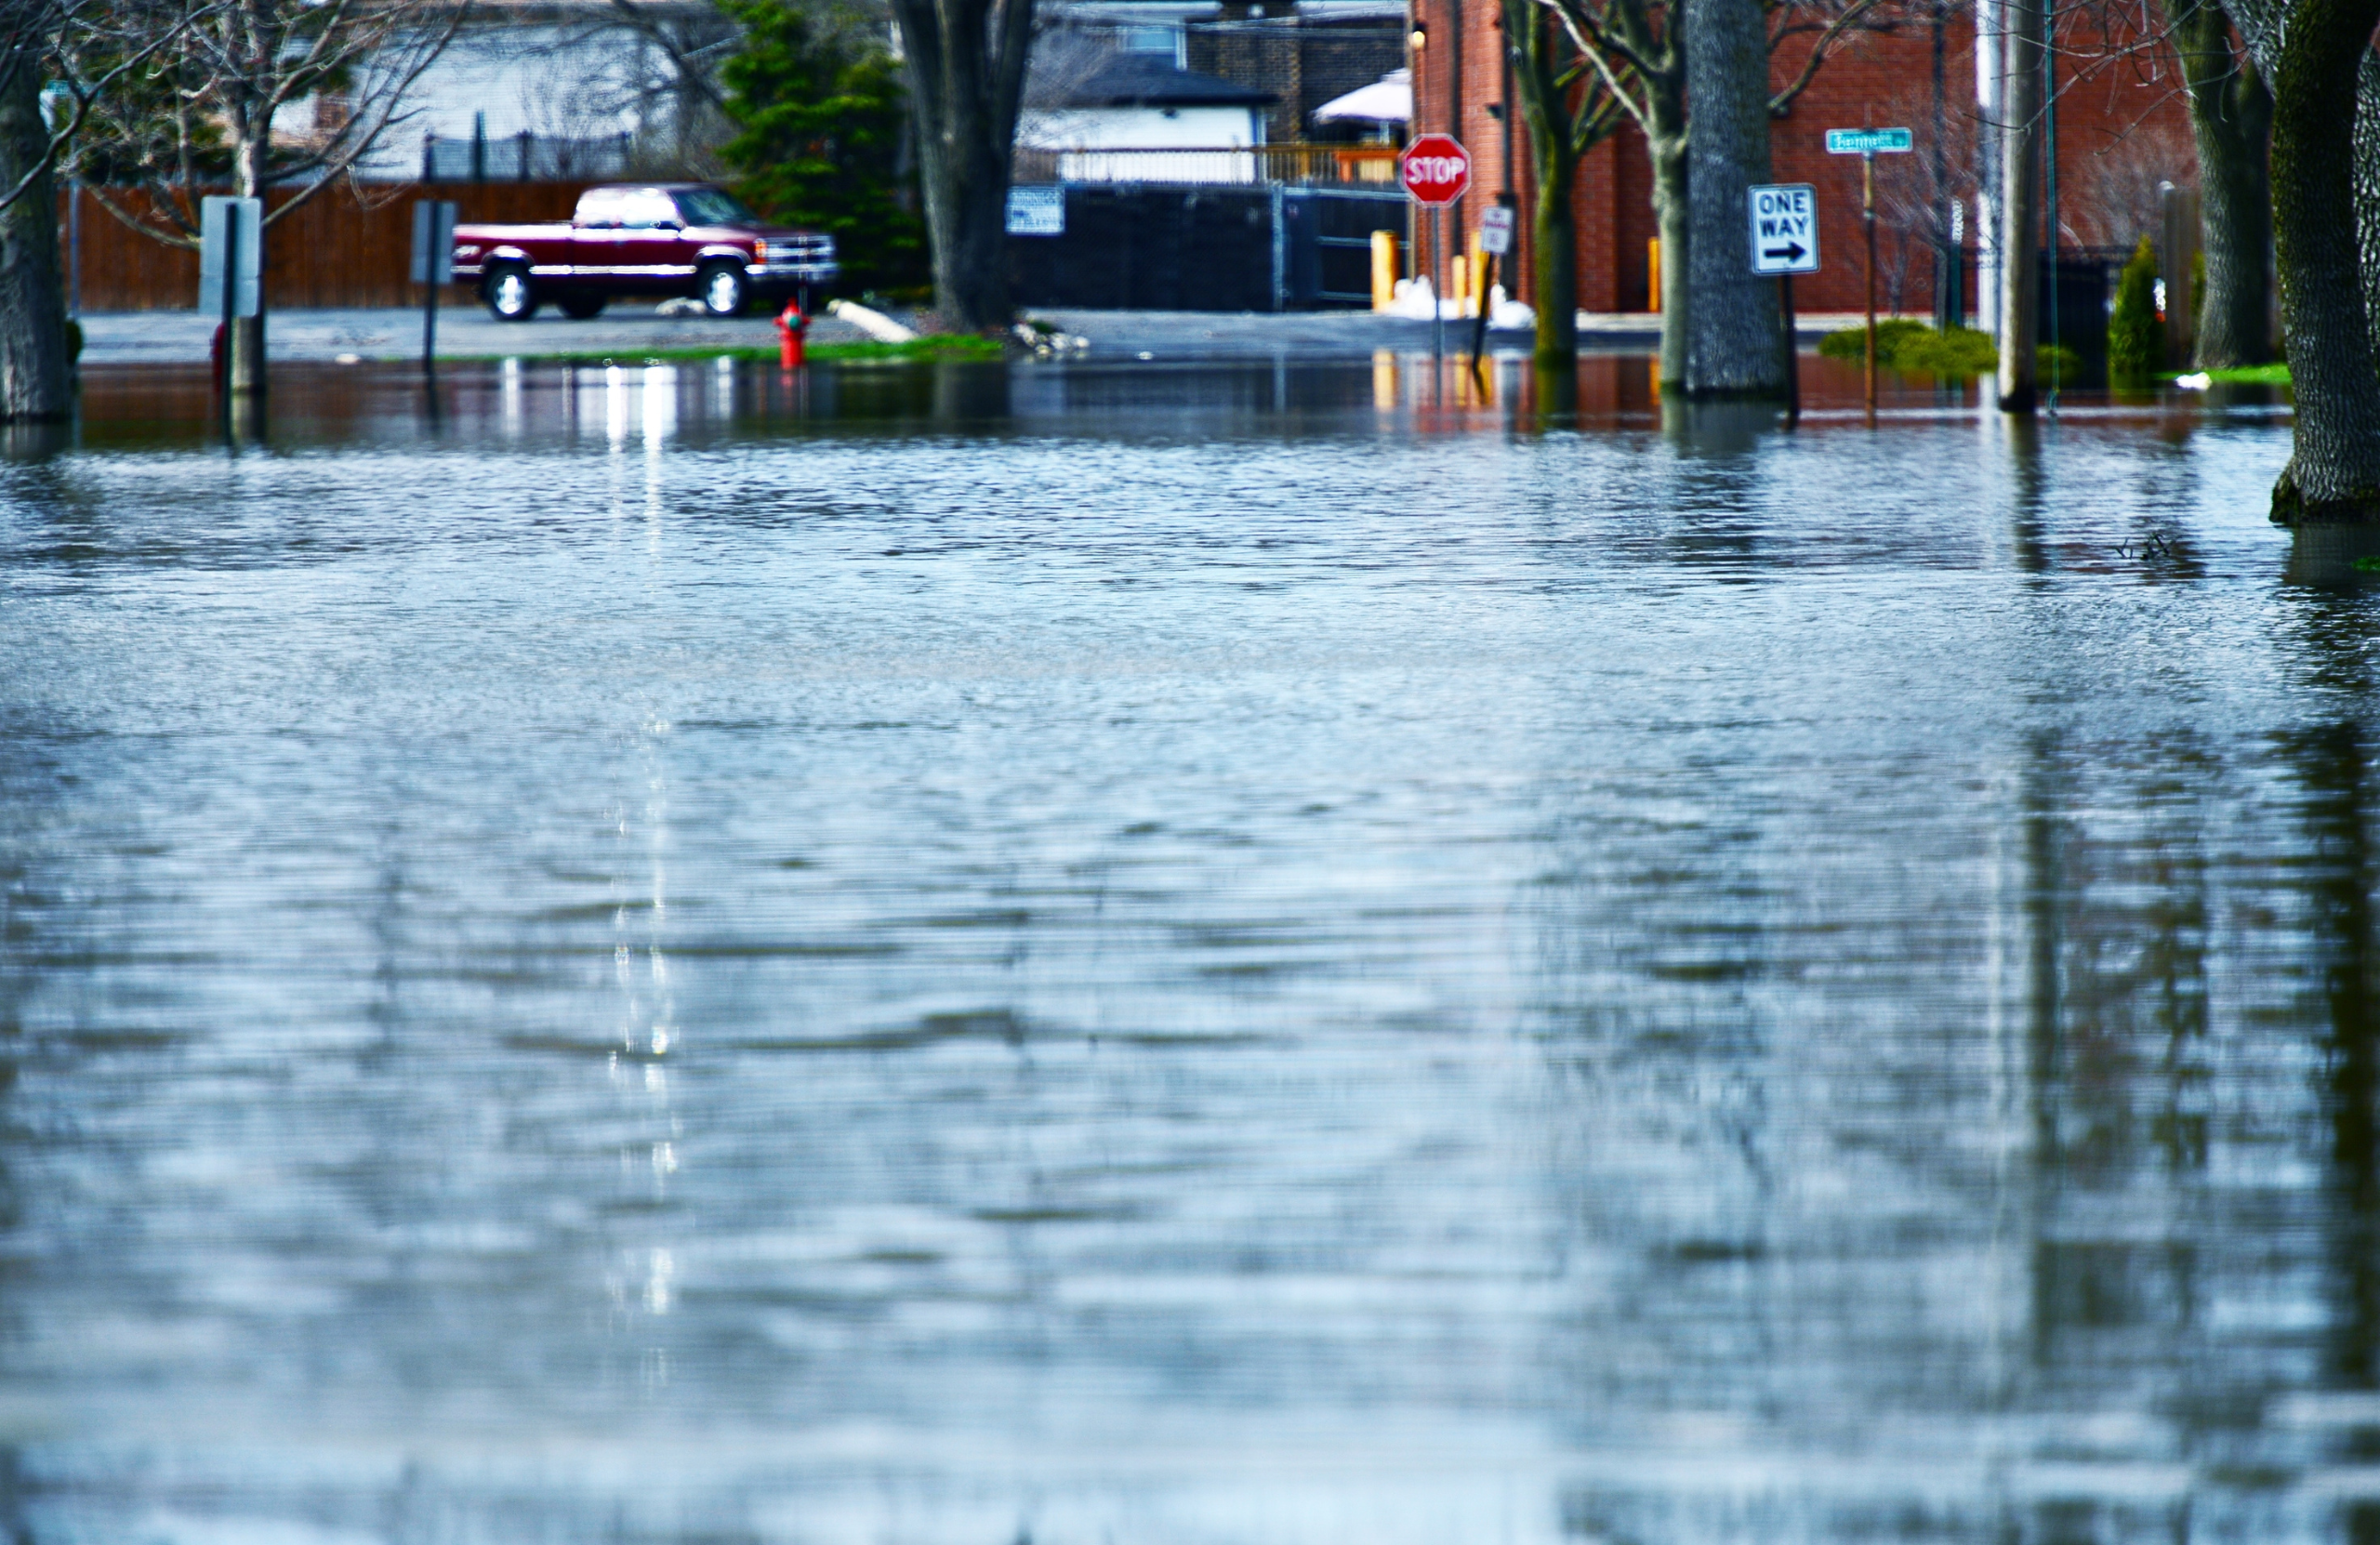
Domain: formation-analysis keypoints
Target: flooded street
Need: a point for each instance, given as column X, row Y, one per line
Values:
column 1176, row 954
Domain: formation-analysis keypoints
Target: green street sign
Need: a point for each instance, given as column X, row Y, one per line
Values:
column 1865, row 141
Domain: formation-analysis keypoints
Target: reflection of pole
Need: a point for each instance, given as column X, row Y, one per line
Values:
column 1868, row 219
column 1792, row 352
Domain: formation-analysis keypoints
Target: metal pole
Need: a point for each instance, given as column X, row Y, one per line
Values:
column 1867, row 219
column 1437, row 289
column 74, row 249
column 2049, row 179
column 429, row 303
column 1793, row 356
column 230, row 301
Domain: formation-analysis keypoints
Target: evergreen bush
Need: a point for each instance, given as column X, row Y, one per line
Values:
column 2135, row 338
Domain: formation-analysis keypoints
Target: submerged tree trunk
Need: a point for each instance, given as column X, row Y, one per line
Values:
column 2315, row 54
column 1666, row 144
column 964, row 62
column 1733, row 330
column 2019, row 134
column 36, row 368
column 246, row 340
column 2367, row 185
column 1552, row 217
column 2231, row 120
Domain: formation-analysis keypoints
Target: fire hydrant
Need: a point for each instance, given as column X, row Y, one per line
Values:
column 791, row 326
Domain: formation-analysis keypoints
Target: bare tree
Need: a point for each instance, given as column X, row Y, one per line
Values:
column 1569, row 111
column 208, row 106
column 1636, row 49
column 88, row 48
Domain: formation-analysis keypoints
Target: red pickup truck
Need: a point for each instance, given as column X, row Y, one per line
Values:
column 643, row 239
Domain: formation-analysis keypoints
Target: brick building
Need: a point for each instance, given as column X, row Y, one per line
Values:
column 2122, row 129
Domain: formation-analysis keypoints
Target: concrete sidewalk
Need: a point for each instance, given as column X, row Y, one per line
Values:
column 324, row 336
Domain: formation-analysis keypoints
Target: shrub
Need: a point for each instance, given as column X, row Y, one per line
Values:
column 2135, row 340
column 1904, row 343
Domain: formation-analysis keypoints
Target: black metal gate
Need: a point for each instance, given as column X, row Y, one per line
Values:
column 1229, row 247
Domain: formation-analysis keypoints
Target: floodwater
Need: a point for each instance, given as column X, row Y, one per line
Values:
column 1172, row 954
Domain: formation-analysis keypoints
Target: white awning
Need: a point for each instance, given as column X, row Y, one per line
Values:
column 1387, row 100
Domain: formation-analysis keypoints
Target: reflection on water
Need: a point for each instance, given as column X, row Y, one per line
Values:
column 1204, row 953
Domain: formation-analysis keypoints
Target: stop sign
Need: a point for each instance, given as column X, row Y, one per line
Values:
column 1436, row 168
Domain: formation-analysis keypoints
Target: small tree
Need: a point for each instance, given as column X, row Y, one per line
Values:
column 206, row 109
column 822, row 118
column 1569, row 111
column 2135, row 338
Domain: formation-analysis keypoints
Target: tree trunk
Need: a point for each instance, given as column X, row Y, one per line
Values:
column 1555, row 232
column 964, row 62
column 36, row 370
column 2020, row 132
column 1734, row 329
column 2231, row 120
column 246, row 340
column 1666, row 144
column 1552, row 223
column 2333, row 472
column 2367, row 184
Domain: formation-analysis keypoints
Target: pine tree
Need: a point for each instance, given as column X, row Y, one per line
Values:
column 2135, row 338
column 819, row 104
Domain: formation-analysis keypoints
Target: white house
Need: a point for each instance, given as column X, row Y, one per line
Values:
column 1110, row 126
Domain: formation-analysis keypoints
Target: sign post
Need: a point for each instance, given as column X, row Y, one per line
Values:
column 1785, row 241
column 1495, row 240
column 1866, row 144
column 1435, row 170
column 433, row 264
column 230, row 269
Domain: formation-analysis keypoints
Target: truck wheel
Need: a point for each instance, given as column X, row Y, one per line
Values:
column 724, row 289
column 510, row 296
column 581, row 306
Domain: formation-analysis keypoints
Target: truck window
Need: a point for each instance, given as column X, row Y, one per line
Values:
column 646, row 208
column 713, row 207
column 598, row 209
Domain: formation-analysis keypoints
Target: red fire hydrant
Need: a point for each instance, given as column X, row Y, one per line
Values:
column 791, row 326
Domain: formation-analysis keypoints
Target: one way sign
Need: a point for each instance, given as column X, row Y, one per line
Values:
column 1785, row 228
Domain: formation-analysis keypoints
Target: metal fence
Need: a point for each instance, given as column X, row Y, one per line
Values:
column 524, row 157
column 1292, row 166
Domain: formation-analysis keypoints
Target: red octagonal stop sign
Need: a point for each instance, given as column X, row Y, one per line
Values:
column 1436, row 168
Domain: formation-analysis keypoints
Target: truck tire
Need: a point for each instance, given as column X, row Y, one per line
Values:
column 724, row 288
column 579, row 306
column 509, row 295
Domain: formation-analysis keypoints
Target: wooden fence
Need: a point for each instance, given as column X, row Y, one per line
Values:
column 336, row 249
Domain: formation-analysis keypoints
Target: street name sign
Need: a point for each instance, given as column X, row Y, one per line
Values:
column 1435, row 169
column 1784, row 228
column 1496, row 230
column 1867, row 141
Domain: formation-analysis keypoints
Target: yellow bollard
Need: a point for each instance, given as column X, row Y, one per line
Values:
column 1476, row 293
column 1653, row 273
column 1384, row 266
column 1459, row 282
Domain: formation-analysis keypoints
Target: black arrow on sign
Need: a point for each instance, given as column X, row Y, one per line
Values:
column 1791, row 253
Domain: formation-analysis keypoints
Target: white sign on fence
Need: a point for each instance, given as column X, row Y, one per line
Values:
column 1037, row 211
column 226, row 225
column 1785, row 228
column 1496, row 229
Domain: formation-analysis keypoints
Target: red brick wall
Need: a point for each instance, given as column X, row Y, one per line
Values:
column 2121, row 125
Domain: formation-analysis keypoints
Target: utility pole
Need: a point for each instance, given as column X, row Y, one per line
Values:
column 2019, row 137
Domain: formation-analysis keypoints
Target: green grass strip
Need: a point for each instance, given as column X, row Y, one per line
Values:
column 2250, row 374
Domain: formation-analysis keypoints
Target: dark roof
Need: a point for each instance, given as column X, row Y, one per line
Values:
column 1150, row 80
